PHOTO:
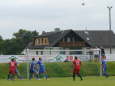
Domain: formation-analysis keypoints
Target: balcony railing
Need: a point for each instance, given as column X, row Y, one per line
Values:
column 72, row 44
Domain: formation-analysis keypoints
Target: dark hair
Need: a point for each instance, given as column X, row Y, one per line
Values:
column 33, row 59
column 12, row 59
column 76, row 57
column 40, row 58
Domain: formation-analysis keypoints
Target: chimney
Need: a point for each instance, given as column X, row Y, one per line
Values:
column 43, row 33
column 57, row 29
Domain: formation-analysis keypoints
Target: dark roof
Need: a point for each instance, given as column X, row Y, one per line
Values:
column 104, row 38
column 53, row 37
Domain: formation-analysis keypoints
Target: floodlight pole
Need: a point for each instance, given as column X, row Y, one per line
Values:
column 109, row 8
column 28, row 74
column 100, row 61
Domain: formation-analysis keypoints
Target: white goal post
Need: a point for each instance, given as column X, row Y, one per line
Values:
column 53, row 55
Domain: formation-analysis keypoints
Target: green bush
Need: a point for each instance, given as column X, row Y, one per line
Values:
column 3, row 70
column 111, row 68
column 63, row 69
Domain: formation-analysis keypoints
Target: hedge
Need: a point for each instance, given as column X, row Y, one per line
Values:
column 63, row 69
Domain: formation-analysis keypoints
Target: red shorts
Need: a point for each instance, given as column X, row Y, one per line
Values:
column 12, row 71
column 76, row 70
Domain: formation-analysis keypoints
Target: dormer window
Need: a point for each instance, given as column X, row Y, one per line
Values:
column 41, row 41
column 87, row 38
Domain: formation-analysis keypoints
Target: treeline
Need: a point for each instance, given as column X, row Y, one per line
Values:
column 17, row 43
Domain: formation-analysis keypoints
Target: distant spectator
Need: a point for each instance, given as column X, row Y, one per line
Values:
column 102, row 51
column 96, row 53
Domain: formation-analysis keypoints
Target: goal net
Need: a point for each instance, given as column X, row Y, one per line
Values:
column 91, row 60
column 58, row 62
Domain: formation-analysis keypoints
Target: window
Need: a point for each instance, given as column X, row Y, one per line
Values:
column 41, row 52
column 75, row 52
column 87, row 38
column 62, row 52
column 37, row 42
column 63, row 40
column 40, row 39
column 86, row 32
column 68, row 39
column 36, row 52
column 73, row 39
column 46, row 41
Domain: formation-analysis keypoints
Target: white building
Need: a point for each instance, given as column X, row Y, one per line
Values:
column 50, row 42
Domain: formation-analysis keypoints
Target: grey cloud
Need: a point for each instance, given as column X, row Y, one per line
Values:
column 55, row 13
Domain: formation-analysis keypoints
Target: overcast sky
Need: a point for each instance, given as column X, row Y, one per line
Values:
column 46, row 15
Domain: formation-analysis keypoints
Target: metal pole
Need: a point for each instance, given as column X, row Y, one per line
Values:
column 27, row 63
column 109, row 8
column 100, row 61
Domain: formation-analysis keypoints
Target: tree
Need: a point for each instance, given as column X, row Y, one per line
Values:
column 1, row 38
column 1, row 43
column 24, row 37
column 16, row 44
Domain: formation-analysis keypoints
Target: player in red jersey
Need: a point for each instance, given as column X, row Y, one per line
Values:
column 76, row 68
column 12, row 69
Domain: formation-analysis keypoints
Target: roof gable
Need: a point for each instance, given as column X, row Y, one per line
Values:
column 104, row 38
column 65, row 33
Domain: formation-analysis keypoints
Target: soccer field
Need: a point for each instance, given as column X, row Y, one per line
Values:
column 88, row 81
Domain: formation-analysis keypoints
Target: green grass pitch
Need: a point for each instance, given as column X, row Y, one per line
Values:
column 88, row 81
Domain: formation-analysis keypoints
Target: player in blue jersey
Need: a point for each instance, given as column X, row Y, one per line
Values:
column 32, row 69
column 42, row 69
column 104, row 67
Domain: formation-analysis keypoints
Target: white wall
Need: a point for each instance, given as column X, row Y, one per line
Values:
column 107, row 50
column 33, row 52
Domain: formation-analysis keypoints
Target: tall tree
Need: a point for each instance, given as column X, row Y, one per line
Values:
column 17, row 44
column 1, row 44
